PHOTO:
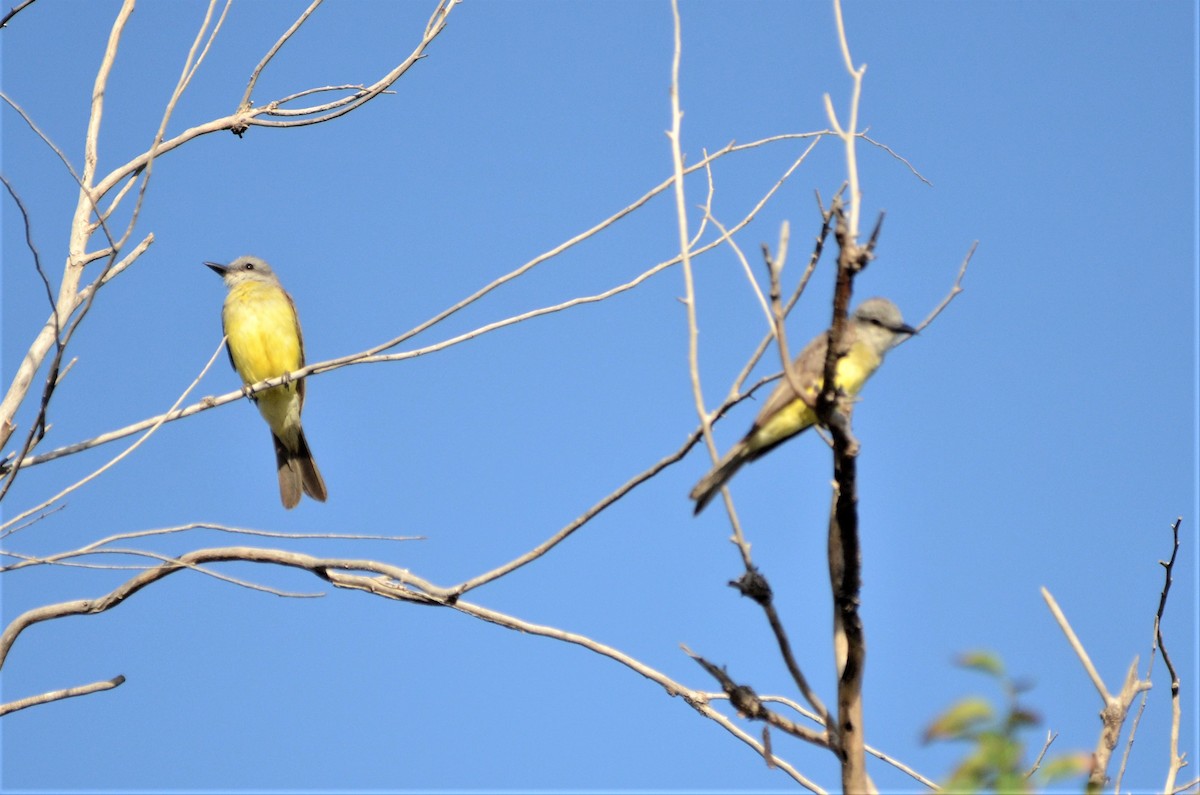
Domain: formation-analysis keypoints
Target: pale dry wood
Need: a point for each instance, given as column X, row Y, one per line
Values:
column 6, row 529
column 59, row 695
column 373, row 354
column 388, row 581
column 71, row 301
column 1116, row 707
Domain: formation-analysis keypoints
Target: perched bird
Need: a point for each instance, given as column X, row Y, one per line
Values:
column 263, row 337
column 874, row 328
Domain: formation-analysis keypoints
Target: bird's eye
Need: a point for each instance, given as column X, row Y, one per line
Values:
column 249, row 266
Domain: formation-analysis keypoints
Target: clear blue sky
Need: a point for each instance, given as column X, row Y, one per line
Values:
column 1042, row 432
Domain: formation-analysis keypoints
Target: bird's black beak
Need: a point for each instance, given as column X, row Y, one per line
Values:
column 903, row 328
column 217, row 267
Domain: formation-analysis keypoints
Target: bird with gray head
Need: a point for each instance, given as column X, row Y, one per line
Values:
column 874, row 328
column 262, row 333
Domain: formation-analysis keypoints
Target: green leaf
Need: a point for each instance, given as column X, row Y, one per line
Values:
column 984, row 661
column 1066, row 766
column 960, row 720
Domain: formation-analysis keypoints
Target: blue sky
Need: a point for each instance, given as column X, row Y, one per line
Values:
column 1042, row 432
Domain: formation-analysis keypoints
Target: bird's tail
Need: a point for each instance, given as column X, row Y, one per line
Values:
column 711, row 483
column 298, row 471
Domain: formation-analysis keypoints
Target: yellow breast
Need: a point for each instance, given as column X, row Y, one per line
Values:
column 853, row 370
column 856, row 367
column 264, row 335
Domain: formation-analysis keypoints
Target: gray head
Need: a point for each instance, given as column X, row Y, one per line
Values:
column 244, row 269
column 879, row 323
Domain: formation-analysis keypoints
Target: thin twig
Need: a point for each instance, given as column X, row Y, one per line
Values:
column 814, row 258
column 1116, row 707
column 778, row 314
column 863, row 135
column 254, row 116
column 849, row 133
column 12, row 12
column 1176, row 759
column 287, row 34
column 8, row 427
column 591, row 513
column 372, row 355
column 99, row 545
column 59, row 695
column 751, row 707
column 873, row 751
column 754, row 584
column 954, row 290
column 1076, row 645
column 91, row 192
column 1037, row 763
column 390, row 582
column 6, row 528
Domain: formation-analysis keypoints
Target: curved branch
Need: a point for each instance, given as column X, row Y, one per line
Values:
column 287, row 34
column 12, row 12
column 410, row 587
column 391, row 582
column 91, row 192
column 374, row 354
column 591, row 513
column 59, row 695
column 436, row 24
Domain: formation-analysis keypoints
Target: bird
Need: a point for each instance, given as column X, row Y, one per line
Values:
column 874, row 328
column 263, row 338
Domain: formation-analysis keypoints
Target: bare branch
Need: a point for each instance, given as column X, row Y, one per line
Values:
column 67, row 302
column 896, row 155
column 1073, row 639
column 778, row 313
column 40, row 134
column 875, row 752
column 7, row 427
column 70, row 299
column 681, row 222
column 695, row 699
column 845, row 554
column 591, row 513
column 372, row 355
column 408, row 587
column 1116, row 707
column 738, row 537
column 754, row 585
column 1037, row 763
column 393, row 583
column 59, row 695
column 287, row 34
column 814, row 258
column 253, row 116
column 12, row 12
column 849, row 133
column 337, row 103
column 954, row 291
column 1191, row 787
column 6, row 528
column 101, row 546
column 1176, row 761
column 750, row 706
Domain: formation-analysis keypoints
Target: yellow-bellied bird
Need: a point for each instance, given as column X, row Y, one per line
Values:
column 263, row 337
column 874, row 328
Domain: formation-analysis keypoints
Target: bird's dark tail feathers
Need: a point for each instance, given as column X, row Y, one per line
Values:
column 298, row 470
column 711, row 483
